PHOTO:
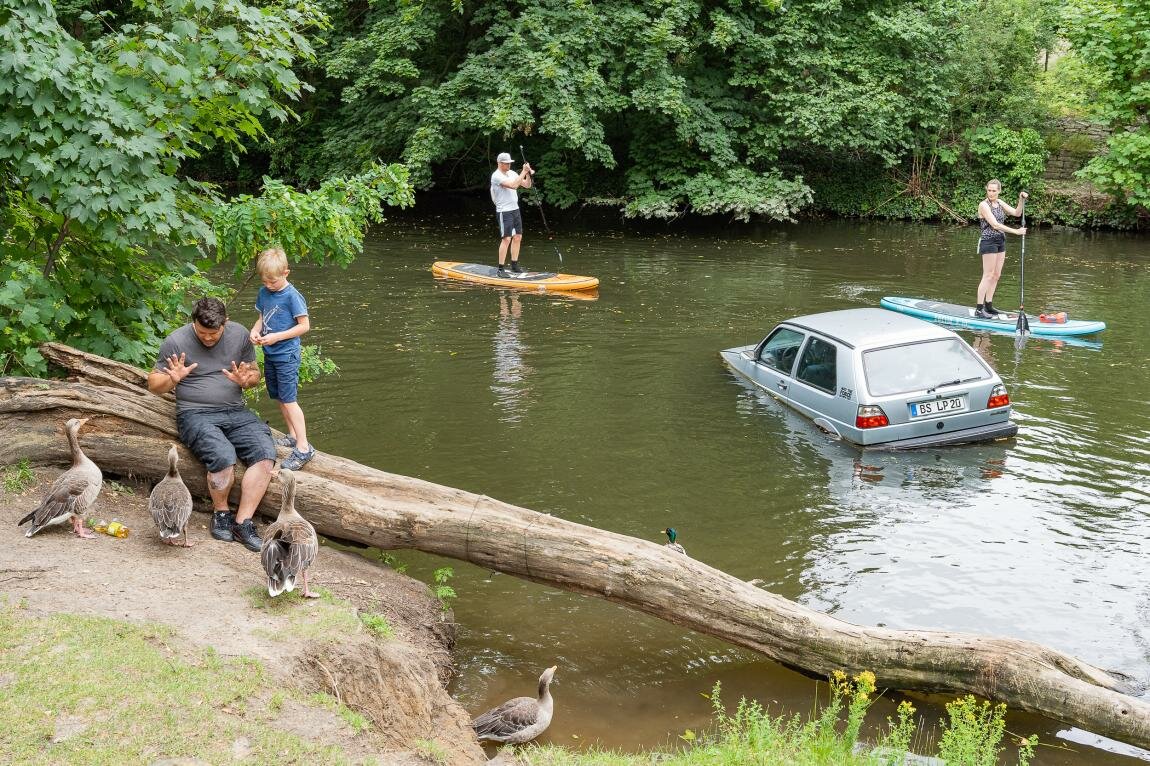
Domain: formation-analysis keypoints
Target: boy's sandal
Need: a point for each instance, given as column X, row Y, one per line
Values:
column 297, row 460
column 285, row 441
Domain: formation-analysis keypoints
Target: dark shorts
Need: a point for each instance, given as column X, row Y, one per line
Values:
column 281, row 376
column 992, row 245
column 510, row 222
column 218, row 437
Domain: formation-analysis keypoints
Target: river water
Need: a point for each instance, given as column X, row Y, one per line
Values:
column 618, row 413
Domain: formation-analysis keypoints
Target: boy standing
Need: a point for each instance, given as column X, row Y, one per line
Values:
column 282, row 320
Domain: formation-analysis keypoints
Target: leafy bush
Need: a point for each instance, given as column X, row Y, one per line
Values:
column 1016, row 157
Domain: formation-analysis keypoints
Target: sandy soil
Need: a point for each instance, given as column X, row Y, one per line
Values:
column 205, row 592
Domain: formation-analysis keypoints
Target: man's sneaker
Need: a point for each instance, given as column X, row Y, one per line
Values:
column 222, row 523
column 285, row 441
column 246, row 535
column 515, row 267
column 297, row 460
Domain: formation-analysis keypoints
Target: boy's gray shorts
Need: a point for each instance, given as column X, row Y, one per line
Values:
column 219, row 436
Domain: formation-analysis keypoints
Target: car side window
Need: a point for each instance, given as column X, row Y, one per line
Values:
column 818, row 365
column 780, row 349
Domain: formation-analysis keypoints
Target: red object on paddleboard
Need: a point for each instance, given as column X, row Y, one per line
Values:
column 1056, row 318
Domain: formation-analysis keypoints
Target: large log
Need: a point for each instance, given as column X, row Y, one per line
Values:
column 131, row 430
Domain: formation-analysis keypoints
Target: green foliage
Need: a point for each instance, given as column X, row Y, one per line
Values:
column 1112, row 39
column 973, row 736
column 18, row 477
column 98, row 228
column 94, row 134
column 103, row 299
column 377, row 624
column 1016, row 157
column 322, row 226
column 444, row 592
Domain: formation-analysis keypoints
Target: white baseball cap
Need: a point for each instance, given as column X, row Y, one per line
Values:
column 504, row 157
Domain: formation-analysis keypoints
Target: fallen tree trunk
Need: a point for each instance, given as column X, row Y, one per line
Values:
column 131, row 430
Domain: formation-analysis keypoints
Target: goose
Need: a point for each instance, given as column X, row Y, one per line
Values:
column 290, row 544
column 72, row 494
column 671, row 535
column 171, row 504
column 521, row 719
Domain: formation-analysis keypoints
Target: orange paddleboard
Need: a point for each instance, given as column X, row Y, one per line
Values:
column 540, row 281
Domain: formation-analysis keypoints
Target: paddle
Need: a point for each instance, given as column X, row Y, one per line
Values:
column 550, row 234
column 1022, row 327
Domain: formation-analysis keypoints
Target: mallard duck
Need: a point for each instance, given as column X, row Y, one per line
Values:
column 521, row 719
column 72, row 494
column 671, row 535
column 290, row 544
column 171, row 504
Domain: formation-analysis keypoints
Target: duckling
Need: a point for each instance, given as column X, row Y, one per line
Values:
column 290, row 544
column 521, row 719
column 171, row 504
column 671, row 535
column 72, row 494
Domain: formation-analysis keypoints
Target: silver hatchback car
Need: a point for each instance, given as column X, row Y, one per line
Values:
column 877, row 378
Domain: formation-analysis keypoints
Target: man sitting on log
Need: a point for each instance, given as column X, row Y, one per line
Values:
column 208, row 363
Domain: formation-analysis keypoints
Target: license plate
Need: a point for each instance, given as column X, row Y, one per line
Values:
column 936, row 407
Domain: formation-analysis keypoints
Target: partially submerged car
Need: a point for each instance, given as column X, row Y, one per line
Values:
column 877, row 378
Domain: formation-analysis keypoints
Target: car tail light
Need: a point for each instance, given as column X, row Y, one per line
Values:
column 998, row 397
column 870, row 416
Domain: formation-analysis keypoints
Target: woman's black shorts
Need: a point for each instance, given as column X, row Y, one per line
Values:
column 992, row 245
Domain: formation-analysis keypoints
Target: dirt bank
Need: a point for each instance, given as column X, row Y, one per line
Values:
column 392, row 670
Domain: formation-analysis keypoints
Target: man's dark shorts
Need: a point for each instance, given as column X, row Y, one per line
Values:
column 992, row 245
column 510, row 222
column 218, row 436
column 281, row 375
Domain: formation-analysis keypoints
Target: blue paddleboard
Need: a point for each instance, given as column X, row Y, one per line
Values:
column 963, row 316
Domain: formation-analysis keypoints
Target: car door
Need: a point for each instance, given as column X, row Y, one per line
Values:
column 814, row 390
column 775, row 361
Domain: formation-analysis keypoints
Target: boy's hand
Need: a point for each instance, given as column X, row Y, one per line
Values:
column 254, row 336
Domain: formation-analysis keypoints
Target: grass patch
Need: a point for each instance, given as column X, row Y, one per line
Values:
column 358, row 722
column 430, row 750
column 18, row 477
column 326, row 617
column 137, row 694
column 377, row 624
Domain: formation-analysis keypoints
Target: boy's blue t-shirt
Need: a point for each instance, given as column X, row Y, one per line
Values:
column 279, row 311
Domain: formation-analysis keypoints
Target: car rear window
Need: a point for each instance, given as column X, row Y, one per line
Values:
column 917, row 366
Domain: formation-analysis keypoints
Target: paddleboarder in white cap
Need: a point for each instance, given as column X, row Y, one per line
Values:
column 504, row 182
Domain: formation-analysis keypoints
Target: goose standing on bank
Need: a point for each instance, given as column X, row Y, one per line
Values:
column 521, row 719
column 72, row 494
column 290, row 544
column 671, row 535
column 171, row 504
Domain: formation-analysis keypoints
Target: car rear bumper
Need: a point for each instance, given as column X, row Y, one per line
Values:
column 987, row 433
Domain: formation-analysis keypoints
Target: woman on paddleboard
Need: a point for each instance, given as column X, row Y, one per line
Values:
column 992, row 244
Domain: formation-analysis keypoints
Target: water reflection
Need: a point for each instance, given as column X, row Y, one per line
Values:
column 509, row 370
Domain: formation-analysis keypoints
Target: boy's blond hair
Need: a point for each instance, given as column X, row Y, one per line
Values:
column 272, row 262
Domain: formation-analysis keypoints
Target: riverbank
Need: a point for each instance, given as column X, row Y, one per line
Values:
column 128, row 650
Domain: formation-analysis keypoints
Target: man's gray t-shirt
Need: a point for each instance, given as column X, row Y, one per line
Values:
column 206, row 387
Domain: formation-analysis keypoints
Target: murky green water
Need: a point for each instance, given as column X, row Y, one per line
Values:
column 618, row 413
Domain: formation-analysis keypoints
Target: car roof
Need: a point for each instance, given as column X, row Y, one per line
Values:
column 870, row 327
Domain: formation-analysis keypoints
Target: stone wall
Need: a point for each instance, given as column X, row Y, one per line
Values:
column 1076, row 141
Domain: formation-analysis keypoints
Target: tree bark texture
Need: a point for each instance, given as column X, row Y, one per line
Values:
column 131, row 430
